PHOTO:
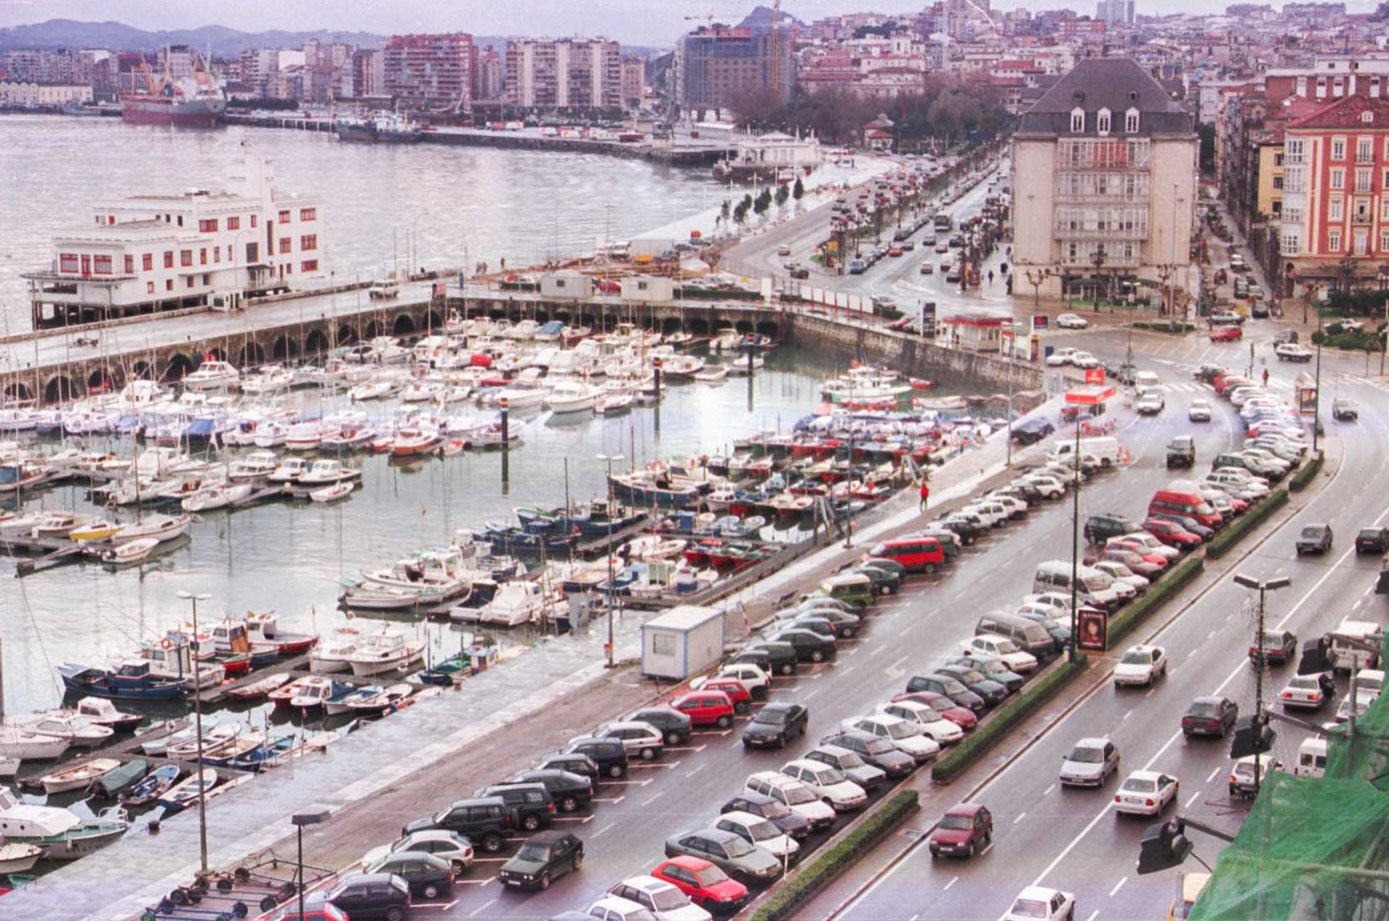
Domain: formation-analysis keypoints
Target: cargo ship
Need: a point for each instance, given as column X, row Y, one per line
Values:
column 193, row 101
column 381, row 128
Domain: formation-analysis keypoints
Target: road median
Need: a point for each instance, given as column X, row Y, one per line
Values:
column 1303, row 478
column 1260, row 512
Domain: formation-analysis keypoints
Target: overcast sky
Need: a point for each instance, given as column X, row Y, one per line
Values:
column 640, row 22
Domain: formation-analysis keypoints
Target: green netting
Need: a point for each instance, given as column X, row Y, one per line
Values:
column 1313, row 848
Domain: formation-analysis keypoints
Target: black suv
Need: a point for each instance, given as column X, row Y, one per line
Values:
column 370, row 895
column 573, row 762
column 809, row 645
column 776, row 724
column 570, row 791
column 876, row 751
column 1372, row 540
column 1181, row 452
column 771, row 809
column 542, row 858
column 1030, row 431
column 484, row 820
column 531, row 802
column 781, row 657
column 674, row 725
column 1100, row 528
column 609, row 754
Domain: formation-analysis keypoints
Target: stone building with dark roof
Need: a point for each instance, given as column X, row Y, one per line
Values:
column 1104, row 183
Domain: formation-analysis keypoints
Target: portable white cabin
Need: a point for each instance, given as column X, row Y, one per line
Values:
column 682, row 642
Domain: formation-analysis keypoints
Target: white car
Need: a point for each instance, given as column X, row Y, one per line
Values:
column 1061, row 357
column 1362, row 703
column 1145, row 793
column 905, row 737
column 662, row 899
column 828, row 783
column 1149, row 543
column 1141, row 665
column 759, row 832
column 1011, row 654
column 1038, row 903
column 793, row 794
column 1199, row 410
column 1059, row 602
column 1306, row 692
column 1049, row 486
column 1084, row 360
column 442, row 843
column 1072, row 321
column 1121, row 573
column 1241, row 779
column 783, row 250
column 613, row 908
column 1089, row 763
column 928, row 718
column 752, row 676
column 1150, row 404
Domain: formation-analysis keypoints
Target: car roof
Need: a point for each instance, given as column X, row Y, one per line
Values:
column 1144, row 775
column 617, row 903
column 1041, row 893
column 646, row 883
column 690, row 862
column 964, row 809
column 745, row 818
column 779, row 706
column 1092, row 742
column 548, row 836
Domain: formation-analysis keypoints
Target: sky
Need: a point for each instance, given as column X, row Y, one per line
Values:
column 638, row 22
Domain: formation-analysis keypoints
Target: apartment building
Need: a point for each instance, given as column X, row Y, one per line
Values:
column 430, row 69
column 715, row 66
column 1104, row 181
column 569, row 73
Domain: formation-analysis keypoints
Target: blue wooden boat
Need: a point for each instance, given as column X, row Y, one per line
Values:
column 152, row 787
column 446, row 672
column 113, row 782
column 130, row 680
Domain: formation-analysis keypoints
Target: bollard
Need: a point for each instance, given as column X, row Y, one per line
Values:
column 656, row 371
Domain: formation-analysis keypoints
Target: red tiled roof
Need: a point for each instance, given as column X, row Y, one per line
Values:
column 1346, row 113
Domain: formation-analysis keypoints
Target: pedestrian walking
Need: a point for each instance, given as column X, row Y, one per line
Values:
column 925, row 495
column 1265, row 377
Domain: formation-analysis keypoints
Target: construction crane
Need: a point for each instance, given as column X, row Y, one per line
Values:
column 708, row 19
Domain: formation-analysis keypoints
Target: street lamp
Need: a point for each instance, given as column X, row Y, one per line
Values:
column 1263, row 587
column 314, row 815
column 198, row 724
column 1075, row 545
column 609, row 459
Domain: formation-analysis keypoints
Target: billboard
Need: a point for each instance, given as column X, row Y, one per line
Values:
column 1093, row 625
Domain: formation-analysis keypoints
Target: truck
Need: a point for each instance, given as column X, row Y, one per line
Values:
column 1105, row 448
column 385, row 289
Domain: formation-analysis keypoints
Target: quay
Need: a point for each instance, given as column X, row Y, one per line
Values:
column 50, row 366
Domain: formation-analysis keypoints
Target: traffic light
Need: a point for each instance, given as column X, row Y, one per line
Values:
column 1317, row 657
column 1164, row 845
column 1252, row 737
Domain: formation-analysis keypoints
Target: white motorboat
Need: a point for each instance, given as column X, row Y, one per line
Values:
column 330, row 656
column 289, row 470
column 270, row 379
column 129, row 553
column 746, row 364
column 58, row 524
column 219, row 495
column 258, row 465
column 711, row 374
column 212, row 375
column 307, row 436
column 162, row 528
column 28, row 745
column 214, row 740
column 681, row 367
column 330, row 493
column 18, row 858
column 103, row 712
column 423, row 390
column 416, row 440
column 171, row 657
column 614, row 402
column 79, row 776
column 326, row 471
column 573, row 397
column 25, row 824
column 515, row 603
column 375, row 388
column 520, row 397
column 387, row 651
column 9, row 765
column 79, row 731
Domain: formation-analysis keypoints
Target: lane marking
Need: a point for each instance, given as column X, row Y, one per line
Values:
column 1048, row 790
column 581, row 819
column 1021, row 816
column 608, row 827
column 1194, row 797
column 1117, row 886
column 651, row 799
column 953, row 881
column 481, row 908
column 695, row 770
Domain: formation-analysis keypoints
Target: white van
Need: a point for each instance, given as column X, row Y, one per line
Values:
column 1311, row 758
column 1350, row 657
column 1147, row 380
column 1094, row 587
column 1105, row 448
column 1369, row 682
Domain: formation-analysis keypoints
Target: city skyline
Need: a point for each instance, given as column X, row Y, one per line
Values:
column 641, row 22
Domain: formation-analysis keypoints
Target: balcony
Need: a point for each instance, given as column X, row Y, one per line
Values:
column 1066, row 234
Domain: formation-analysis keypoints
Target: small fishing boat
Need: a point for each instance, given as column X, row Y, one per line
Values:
column 130, row 553
column 614, row 402
column 132, row 680
column 257, row 690
column 27, row 745
column 67, row 724
column 415, row 440
column 214, row 740
column 104, row 713
column 17, row 857
column 379, row 700
column 445, row 672
column 58, row 524
column 116, row 780
column 78, row 776
column 218, row 495
column 86, row 837
column 152, row 787
column 308, row 693
column 253, row 468
column 332, row 655
column 163, row 528
column 98, row 529
column 9, row 765
column 186, row 791
column 326, row 494
column 243, row 745
column 712, row 374
column 387, row 651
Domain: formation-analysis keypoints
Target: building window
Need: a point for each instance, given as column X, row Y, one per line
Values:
column 1077, row 121
column 1278, row 182
column 1293, row 150
column 1362, row 242
column 1131, row 121
column 308, row 214
column 130, row 263
column 1292, row 244
column 1338, row 178
column 1277, row 159
column 308, row 241
column 67, row 262
column 185, row 257
column 168, row 284
column 285, row 244
column 216, row 254
column 1335, row 210
column 1338, row 148
column 233, row 223
column 207, row 279
column 1364, row 150
column 190, row 281
column 149, row 287
column 1333, row 240
column 207, row 225
column 1362, row 180
column 253, row 222
column 284, row 216
column 309, row 265
column 1384, row 241
column 180, row 220
column 1102, row 121
column 1362, row 210
column 202, row 256
column 1367, row 117
column 101, row 265
column 147, row 262
column 1277, row 207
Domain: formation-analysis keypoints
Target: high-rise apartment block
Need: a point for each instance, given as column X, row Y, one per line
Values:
column 430, row 69
column 569, row 73
column 715, row 66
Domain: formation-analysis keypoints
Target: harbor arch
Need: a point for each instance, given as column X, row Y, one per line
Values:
column 252, row 355
column 316, row 343
column 60, row 389
column 141, row 370
column 284, row 347
column 372, row 331
column 347, row 334
column 767, row 328
column 18, row 391
column 699, row 327
column 404, row 325
column 179, row 367
column 433, row 319
column 100, row 381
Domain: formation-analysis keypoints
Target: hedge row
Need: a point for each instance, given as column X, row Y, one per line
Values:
column 717, row 294
column 1165, row 588
column 1163, row 327
column 1252, row 518
column 1303, row 477
column 1005, row 720
column 824, row 866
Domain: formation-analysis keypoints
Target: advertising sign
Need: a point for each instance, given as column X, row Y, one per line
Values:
column 1093, row 625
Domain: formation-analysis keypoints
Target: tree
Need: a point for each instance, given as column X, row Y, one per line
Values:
column 725, row 209
column 783, row 192
column 797, row 190
column 740, row 213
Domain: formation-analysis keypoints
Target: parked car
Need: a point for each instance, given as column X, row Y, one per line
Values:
column 851, row 764
column 641, row 740
column 609, row 754
column 772, row 657
column 1005, row 649
column 771, row 809
column 706, row 708
column 482, row 820
column 947, row 686
column 1274, row 647
column 707, row 885
column 809, row 645
column 1314, row 538
column 1089, row 763
column 532, row 803
column 1145, row 793
column 427, row 876
column 741, row 860
column 775, row 725
column 368, row 896
column 1100, row 528
column 664, row 900
column 834, row 789
column 760, row 832
column 737, row 692
column 793, row 793
column 1210, row 716
column 927, row 718
column 571, row 792
column 963, row 831
column 906, row 737
column 573, row 763
column 673, row 725
column 439, row 842
column 880, row 753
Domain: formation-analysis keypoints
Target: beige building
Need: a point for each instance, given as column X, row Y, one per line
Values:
column 1104, row 182
column 41, row 95
column 569, row 73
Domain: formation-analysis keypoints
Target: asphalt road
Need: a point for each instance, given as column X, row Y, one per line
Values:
column 1065, row 838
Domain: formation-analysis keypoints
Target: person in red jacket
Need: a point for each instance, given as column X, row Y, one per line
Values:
column 925, row 494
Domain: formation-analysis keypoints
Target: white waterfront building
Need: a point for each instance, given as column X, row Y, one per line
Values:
column 198, row 248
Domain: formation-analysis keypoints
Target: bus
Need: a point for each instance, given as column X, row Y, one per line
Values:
column 943, row 222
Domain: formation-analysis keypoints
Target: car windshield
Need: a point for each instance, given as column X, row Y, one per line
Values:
column 770, row 717
column 878, row 746
column 1139, row 785
column 737, row 847
column 797, row 795
column 1029, row 908
column 1203, row 708
column 1311, row 532
column 1370, row 533
column 537, row 853
column 850, row 760
column 671, row 899
column 710, row 876
column 898, row 730
column 1006, row 647
column 763, row 831
column 1136, row 657
column 1085, row 755
column 959, row 822
column 829, row 776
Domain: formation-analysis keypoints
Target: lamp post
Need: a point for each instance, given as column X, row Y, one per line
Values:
column 1263, row 587
column 314, row 815
column 609, row 459
column 848, row 494
column 1075, row 545
column 1316, row 394
column 198, row 724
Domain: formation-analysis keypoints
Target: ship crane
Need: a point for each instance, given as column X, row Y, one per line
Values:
column 708, row 19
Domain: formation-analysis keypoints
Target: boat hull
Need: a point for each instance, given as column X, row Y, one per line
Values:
column 159, row 111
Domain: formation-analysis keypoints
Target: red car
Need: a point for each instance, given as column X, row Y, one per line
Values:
column 607, row 286
column 707, row 886
column 960, row 716
column 706, row 708
column 1171, row 533
column 735, row 689
column 963, row 831
column 1227, row 334
column 1119, row 543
